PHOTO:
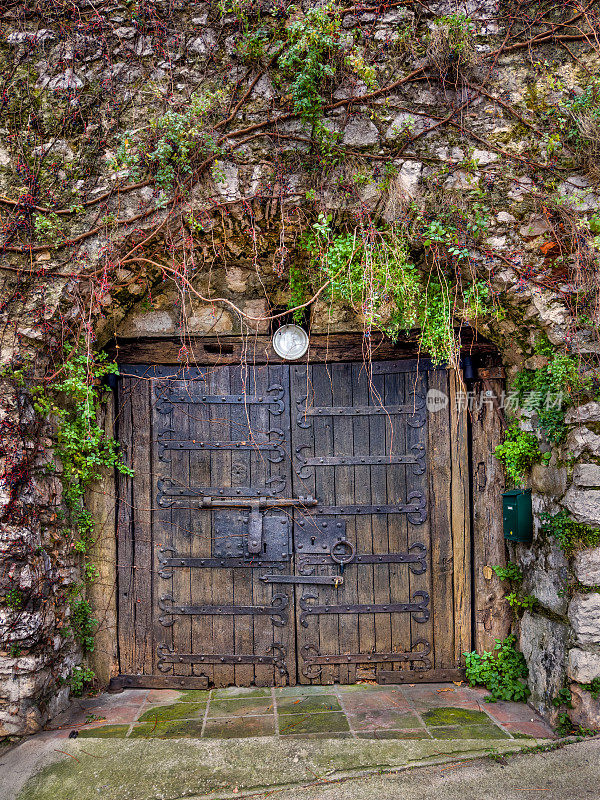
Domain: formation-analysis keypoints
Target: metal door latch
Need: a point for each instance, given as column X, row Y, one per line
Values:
column 256, row 505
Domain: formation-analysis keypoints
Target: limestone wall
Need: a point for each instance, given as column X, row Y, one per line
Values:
column 93, row 248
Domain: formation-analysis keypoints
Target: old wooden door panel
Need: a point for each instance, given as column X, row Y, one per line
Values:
column 134, row 530
column 222, row 439
column 392, row 492
column 360, row 443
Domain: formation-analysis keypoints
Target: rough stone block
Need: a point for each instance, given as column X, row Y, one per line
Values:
column 586, row 566
column 587, row 475
column 583, row 505
column 584, row 615
column 586, row 710
column 549, row 480
column 583, row 666
column 360, row 133
column 582, row 440
column 544, row 645
column 590, row 412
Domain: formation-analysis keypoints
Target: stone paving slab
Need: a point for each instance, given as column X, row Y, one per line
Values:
column 434, row 711
column 146, row 769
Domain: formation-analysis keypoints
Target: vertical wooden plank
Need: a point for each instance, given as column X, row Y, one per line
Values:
column 493, row 616
column 242, row 429
column 102, row 593
column 125, row 571
column 461, row 523
column 201, row 541
column 416, row 393
column 440, row 480
column 363, row 446
column 302, row 397
column 325, row 486
column 222, row 580
column 164, row 532
column 285, row 635
column 182, row 535
column 395, row 442
column 387, row 486
column 135, row 534
column 342, row 391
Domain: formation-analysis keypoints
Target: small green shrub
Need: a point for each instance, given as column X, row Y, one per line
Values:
column 502, row 672
column 82, row 622
column 570, row 534
column 565, row 727
column 527, row 601
column 519, row 451
column 510, row 572
column 563, row 698
column 81, row 678
column 550, row 389
column 593, row 688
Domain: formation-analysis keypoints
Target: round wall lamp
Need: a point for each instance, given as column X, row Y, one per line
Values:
column 290, row 342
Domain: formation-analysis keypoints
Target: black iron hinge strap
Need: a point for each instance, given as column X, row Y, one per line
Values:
column 417, row 607
column 275, row 611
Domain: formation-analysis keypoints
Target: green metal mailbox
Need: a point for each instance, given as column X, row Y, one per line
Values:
column 517, row 517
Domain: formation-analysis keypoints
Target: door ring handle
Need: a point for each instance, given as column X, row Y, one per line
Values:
column 344, row 557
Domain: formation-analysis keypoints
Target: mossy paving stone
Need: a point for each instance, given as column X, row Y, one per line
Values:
column 104, row 732
column 308, row 705
column 257, row 706
column 179, row 729
column 455, row 716
column 194, row 696
column 239, row 727
column 301, row 689
column 376, row 719
column 175, row 711
column 312, row 723
column 239, row 692
column 468, row 732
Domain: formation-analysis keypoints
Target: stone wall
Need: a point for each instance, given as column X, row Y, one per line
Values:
column 117, row 259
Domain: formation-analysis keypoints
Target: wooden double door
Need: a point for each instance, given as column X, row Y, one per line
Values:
column 292, row 523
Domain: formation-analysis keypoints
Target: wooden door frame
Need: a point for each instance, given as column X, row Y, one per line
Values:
column 474, row 485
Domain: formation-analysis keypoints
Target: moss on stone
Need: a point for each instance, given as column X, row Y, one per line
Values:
column 168, row 730
column 104, row 732
column 175, row 711
column 312, row 723
column 455, row 716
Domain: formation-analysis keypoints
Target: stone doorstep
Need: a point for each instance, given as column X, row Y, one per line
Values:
column 233, row 768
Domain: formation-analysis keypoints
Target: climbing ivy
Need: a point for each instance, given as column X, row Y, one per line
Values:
column 518, row 452
column 85, row 452
column 569, row 534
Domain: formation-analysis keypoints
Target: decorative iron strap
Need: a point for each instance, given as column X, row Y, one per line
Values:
column 415, row 508
column 167, row 562
column 275, row 611
column 167, row 395
column 415, row 411
column 173, row 440
column 416, row 558
column 417, row 459
column 314, row 661
column 419, row 608
column 167, row 657
column 172, row 494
